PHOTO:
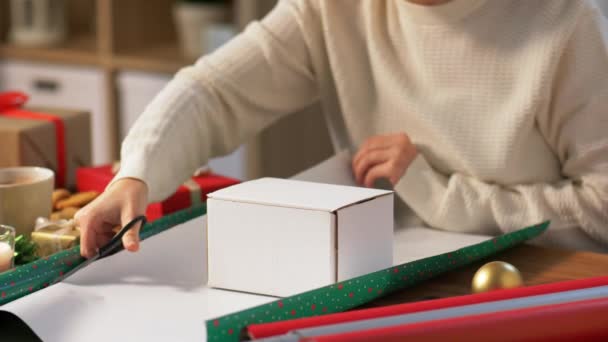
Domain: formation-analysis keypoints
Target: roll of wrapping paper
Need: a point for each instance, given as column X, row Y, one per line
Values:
column 357, row 291
column 565, row 289
column 37, row 275
column 577, row 321
column 438, row 316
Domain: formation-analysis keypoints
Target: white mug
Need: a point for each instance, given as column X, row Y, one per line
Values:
column 25, row 195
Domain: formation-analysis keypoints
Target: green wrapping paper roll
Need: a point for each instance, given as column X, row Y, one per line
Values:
column 351, row 293
column 37, row 275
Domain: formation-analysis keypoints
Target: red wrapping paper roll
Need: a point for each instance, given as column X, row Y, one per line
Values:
column 576, row 321
column 279, row 328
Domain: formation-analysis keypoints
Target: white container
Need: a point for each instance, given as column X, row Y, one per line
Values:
column 37, row 22
column 137, row 89
column 63, row 86
column 191, row 20
column 281, row 237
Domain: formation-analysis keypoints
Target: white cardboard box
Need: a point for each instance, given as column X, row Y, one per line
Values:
column 281, row 237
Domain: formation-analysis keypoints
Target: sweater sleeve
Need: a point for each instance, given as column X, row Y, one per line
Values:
column 576, row 128
column 212, row 107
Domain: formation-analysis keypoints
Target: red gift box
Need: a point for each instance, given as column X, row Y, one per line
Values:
column 193, row 191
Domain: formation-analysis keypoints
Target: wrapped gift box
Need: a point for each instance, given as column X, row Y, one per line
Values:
column 56, row 139
column 193, row 191
column 55, row 238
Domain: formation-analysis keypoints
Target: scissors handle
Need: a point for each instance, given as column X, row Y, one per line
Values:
column 115, row 244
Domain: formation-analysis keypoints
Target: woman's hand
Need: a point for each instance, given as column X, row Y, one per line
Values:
column 117, row 206
column 383, row 156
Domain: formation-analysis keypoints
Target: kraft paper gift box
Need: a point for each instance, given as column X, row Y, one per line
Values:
column 193, row 192
column 58, row 139
column 280, row 237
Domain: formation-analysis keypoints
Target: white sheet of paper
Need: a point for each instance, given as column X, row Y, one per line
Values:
column 159, row 293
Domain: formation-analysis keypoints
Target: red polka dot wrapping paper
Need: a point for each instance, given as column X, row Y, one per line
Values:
column 39, row 274
column 351, row 293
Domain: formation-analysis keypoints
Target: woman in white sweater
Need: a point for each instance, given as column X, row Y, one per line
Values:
column 486, row 116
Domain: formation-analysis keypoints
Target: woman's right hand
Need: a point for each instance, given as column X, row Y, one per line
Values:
column 124, row 200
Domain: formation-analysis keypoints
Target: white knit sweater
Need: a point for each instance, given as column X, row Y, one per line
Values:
column 507, row 102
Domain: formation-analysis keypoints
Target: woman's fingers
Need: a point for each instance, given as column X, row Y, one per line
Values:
column 131, row 238
column 104, row 238
column 376, row 172
column 383, row 156
column 374, row 143
column 118, row 205
column 367, row 160
column 89, row 225
column 129, row 212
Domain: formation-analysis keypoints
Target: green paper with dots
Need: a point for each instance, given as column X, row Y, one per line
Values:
column 36, row 275
column 351, row 293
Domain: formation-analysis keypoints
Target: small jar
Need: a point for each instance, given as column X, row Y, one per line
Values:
column 7, row 247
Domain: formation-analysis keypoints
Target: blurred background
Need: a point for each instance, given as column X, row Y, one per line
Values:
column 111, row 57
column 603, row 5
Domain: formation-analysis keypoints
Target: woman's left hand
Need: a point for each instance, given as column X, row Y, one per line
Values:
column 383, row 156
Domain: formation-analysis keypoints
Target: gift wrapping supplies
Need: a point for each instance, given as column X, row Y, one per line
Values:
column 354, row 292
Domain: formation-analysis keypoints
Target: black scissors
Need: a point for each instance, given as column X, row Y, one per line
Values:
column 115, row 245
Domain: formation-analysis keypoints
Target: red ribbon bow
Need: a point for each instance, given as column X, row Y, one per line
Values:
column 10, row 106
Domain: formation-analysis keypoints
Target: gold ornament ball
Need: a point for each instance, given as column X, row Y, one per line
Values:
column 496, row 275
